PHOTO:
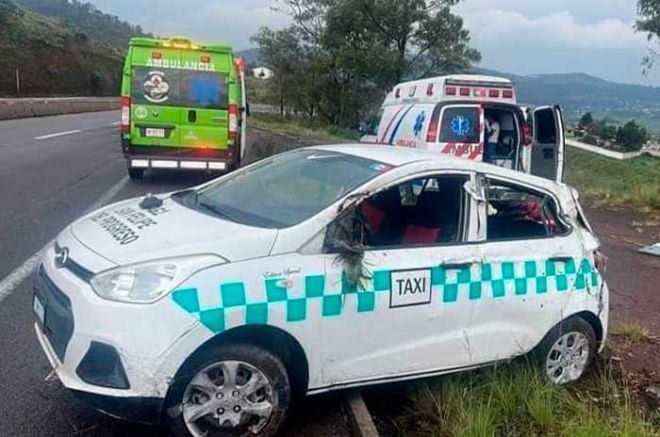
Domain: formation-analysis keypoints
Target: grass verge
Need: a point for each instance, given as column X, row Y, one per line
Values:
column 516, row 400
column 631, row 331
column 610, row 182
column 301, row 128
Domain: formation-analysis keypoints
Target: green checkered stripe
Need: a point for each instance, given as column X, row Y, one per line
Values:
column 232, row 305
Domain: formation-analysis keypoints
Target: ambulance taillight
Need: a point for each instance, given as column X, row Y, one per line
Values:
column 434, row 125
column 233, row 122
column 526, row 135
column 125, row 115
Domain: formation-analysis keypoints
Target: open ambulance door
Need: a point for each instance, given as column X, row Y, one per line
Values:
column 549, row 145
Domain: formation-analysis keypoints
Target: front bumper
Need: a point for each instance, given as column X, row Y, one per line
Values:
column 150, row 343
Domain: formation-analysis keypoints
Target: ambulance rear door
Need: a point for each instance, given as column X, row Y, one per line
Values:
column 457, row 129
column 549, row 144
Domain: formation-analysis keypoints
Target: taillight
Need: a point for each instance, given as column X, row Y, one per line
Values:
column 233, row 122
column 526, row 135
column 125, row 115
column 434, row 124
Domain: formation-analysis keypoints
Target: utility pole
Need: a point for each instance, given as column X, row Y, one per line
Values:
column 18, row 82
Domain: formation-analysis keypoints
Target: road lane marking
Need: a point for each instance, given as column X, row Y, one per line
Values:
column 59, row 134
column 12, row 281
column 116, row 123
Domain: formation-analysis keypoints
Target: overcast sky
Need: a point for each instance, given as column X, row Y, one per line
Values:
column 518, row 36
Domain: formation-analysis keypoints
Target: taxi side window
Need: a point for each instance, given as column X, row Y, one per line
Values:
column 419, row 212
column 516, row 212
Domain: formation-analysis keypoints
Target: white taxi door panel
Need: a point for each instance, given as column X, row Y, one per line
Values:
column 548, row 147
column 410, row 316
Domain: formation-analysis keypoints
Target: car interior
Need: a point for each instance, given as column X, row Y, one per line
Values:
column 418, row 212
column 514, row 213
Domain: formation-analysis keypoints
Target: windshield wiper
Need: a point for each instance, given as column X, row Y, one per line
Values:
column 217, row 210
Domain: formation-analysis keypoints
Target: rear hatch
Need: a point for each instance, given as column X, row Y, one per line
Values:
column 179, row 98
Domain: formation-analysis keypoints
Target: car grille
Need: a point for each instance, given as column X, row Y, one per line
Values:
column 58, row 321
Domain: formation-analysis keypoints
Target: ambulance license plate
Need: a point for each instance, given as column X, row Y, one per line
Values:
column 39, row 309
column 154, row 133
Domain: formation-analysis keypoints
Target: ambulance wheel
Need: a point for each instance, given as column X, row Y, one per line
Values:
column 567, row 351
column 136, row 174
column 230, row 390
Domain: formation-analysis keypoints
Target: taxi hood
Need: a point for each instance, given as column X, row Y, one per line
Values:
column 124, row 233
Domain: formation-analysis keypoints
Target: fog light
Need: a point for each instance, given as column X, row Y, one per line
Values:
column 102, row 366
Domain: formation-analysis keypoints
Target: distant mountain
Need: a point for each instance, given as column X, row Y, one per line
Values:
column 61, row 47
column 578, row 93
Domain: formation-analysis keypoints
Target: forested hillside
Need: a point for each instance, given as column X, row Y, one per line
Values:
column 60, row 47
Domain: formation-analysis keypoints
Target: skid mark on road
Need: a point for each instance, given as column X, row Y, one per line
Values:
column 59, row 134
column 21, row 273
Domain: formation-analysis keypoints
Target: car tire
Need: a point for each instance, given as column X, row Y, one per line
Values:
column 567, row 351
column 136, row 174
column 224, row 404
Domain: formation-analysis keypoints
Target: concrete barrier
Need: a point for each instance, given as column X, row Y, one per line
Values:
column 41, row 107
column 621, row 156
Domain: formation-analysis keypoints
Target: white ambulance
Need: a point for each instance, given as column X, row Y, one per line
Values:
column 474, row 117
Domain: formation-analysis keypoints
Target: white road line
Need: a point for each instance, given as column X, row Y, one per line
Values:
column 21, row 273
column 59, row 134
column 116, row 123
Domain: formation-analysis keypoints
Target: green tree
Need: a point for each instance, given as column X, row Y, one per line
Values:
column 586, row 120
column 631, row 136
column 356, row 50
column 8, row 10
column 649, row 23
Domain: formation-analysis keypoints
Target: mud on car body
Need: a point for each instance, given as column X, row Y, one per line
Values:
column 212, row 308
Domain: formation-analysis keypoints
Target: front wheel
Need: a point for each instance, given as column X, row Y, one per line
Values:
column 231, row 390
column 567, row 351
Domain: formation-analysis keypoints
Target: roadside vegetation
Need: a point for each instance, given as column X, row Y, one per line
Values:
column 632, row 331
column 516, row 400
column 629, row 137
column 300, row 128
column 608, row 182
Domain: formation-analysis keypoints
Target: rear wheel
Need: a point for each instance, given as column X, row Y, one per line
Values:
column 231, row 390
column 136, row 173
column 567, row 351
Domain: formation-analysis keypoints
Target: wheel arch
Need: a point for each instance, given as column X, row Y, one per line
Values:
column 277, row 341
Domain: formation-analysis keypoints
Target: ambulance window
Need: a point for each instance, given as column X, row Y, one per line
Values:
column 155, row 86
column 546, row 127
column 203, row 90
column 460, row 124
column 516, row 212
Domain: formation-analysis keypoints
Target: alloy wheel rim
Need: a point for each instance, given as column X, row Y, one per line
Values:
column 229, row 396
column 568, row 357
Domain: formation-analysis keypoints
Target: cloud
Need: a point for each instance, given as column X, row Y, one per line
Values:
column 560, row 29
column 227, row 21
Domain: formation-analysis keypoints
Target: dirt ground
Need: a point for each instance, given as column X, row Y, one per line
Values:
column 633, row 277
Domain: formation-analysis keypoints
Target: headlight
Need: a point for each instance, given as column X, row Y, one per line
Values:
column 148, row 282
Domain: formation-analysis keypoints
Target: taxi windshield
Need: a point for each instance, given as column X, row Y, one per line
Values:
column 288, row 189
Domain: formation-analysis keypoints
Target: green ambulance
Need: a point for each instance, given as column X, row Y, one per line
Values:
column 183, row 106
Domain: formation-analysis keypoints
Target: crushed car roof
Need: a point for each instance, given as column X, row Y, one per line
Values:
column 399, row 156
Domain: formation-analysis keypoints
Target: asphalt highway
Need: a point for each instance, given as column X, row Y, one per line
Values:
column 52, row 170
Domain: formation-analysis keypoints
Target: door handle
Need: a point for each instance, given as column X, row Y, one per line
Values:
column 562, row 259
column 192, row 116
column 457, row 266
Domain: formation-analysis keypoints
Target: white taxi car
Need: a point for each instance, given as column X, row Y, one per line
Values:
column 315, row 270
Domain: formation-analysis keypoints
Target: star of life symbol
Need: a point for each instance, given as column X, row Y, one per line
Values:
column 461, row 125
column 419, row 123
